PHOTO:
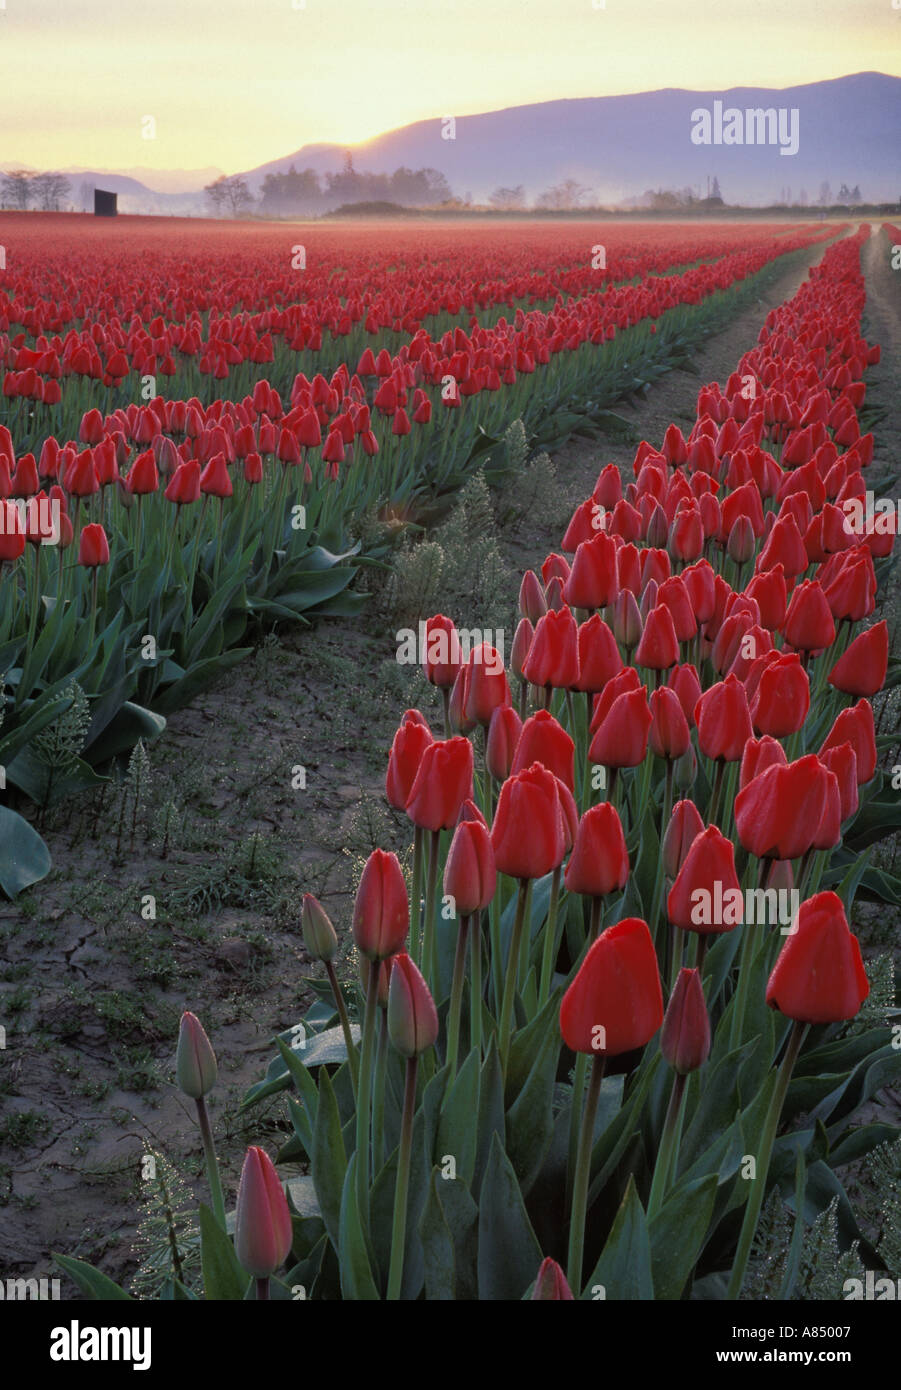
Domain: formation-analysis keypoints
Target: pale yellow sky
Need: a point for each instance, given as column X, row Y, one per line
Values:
column 234, row 83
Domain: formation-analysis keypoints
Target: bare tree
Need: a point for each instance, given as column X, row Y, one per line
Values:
column 17, row 186
column 563, row 196
column 231, row 194
column 508, row 199
column 50, row 190
column 825, row 198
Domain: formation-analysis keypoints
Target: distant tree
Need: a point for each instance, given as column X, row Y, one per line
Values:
column 292, row 192
column 508, row 199
column 17, row 189
column 563, row 197
column 844, row 194
column 50, row 191
column 231, row 194
column 825, row 198
column 802, row 198
column 855, row 194
column 715, row 190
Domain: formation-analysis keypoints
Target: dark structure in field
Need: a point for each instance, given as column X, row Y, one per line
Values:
column 105, row 204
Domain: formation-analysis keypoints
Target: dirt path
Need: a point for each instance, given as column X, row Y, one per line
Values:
column 225, row 844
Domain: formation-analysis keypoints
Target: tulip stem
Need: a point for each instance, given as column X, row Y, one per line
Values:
column 212, row 1167
column 378, row 1096
column 580, row 1181
column 475, row 982
column 428, row 933
column 767, row 1138
column 262, row 1286
column 549, row 954
column 416, row 895
column 353, row 1059
column 749, row 945
column 713, row 810
column 456, row 999
column 364, row 1097
column 512, row 970
column 667, row 1154
column 402, row 1185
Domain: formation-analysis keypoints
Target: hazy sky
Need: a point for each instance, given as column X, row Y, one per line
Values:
column 234, row 83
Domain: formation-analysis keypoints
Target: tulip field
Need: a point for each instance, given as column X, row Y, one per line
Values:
column 607, row 1013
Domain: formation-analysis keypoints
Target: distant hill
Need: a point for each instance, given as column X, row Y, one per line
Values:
column 620, row 146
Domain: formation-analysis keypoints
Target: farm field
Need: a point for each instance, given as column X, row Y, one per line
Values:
column 449, row 743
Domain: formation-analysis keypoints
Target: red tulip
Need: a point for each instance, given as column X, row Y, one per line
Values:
column 670, row 736
column 759, row 754
column 443, row 656
column 550, row 1283
column 93, row 548
column 543, row 740
column 615, row 1003
column 685, row 1035
column 263, row 1232
column 785, row 811
column 184, row 485
column 528, row 834
column 684, row 826
column 470, row 875
column 808, row 623
column 723, row 720
column 485, row 685
column 843, row 762
column 410, row 742
column 819, row 975
column 412, row 1017
column 592, row 582
column 442, row 783
column 782, row 699
column 622, row 738
column 862, row 669
column 215, row 480
column 381, row 911
column 599, row 863
column 658, row 648
column 698, row 899
column 855, row 726
column 553, row 658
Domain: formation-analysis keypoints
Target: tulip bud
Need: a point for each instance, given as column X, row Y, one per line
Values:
column 522, row 643
column 741, row 542
column 412, row 1017
column 263, row 1231
column 381, row 911
column 470, row 876
column 685, row 823
column 318, row 933
column 685, row 1035
column 627, row 622
column 685, row 770
column 195, row 1061
column 551, row 1285
column 532, row 603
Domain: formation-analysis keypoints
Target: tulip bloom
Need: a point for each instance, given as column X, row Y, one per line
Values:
column 622, row 739
column 443, row 657
column 808, row 623
column 381, row 911
column 705, row 883
column 782, row 698
column 615, row 1002
column 442, row 783
column 658, row 647
column 786, row 811
column 684, row 825
column 553, row 658
column 93, row 547
column 470, row 875
column 599, row 863
column 855, row 726
column 528, row 833
column 723, row 720
column 819, row 976
column 862, row 669
column 670, row 736
column 544, row 740
column 410, row 742
column 263, row 1232
column 484, row 685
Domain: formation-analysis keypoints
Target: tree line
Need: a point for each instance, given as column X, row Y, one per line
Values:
column 22, row 190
